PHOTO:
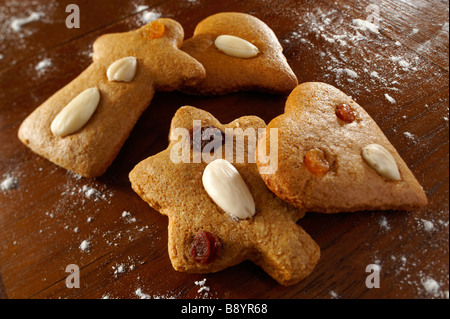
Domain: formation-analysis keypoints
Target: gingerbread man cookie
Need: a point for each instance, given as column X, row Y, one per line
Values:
column 220, row 211
column 83, row 126
column 333, row 157
column 239, row 52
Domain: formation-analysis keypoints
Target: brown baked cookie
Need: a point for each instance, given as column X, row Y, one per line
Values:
column 332, row 157
column 252, row 61
column 83, row 126
column 221, row 214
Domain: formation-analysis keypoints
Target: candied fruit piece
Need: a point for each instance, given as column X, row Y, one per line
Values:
column 154, row 30
column 316, row 162
column 205, row 247
column 345, row 113
column 201, row 136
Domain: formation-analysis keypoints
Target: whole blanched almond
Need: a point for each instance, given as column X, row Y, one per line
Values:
column 76, row 114
column 225, row 186
column 122, row 70
column 381, row 161
column 236, row 47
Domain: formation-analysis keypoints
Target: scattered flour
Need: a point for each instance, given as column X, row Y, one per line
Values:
column 42, row 66
column 10, row 182
column 128, row 218
column 336, row 41
column 401, row 61
column 334, row 295
column 18, row 23
column 143, row 295
column 347, row 72
column 90, row 193
column 85, row 246
column 410, row 136
column 431, row 286
column 119, row 269
column 384, row 223
column 390, row 98
column 427, row 225
column 364, row 25
column 140, row 8
column 203, row 288
column 149, row 16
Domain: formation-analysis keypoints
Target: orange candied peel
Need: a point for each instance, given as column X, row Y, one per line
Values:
column 316, row 162
column 154, row 30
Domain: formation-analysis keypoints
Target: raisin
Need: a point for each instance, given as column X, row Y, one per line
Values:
column 316, row 162
column 345, row 113
column 205, row 247
column 207, row 135
column 154, row 30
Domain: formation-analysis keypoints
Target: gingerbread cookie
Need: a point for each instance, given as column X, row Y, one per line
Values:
column 239, row 52
column 220, row 211
column 83, row 126
column 333, row 157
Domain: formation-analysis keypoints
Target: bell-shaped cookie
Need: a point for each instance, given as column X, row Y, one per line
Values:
column 83, row 126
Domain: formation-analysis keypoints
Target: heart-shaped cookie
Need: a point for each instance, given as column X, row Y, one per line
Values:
column 333, row 157
column 239, row 53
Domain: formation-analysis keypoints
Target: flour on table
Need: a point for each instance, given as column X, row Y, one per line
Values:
column 203, row 288
column 42, row 66
column 427, row 225
column 149, row 16
column 90, row 193
column 348, row 73
column 384, row 223
column 401, row 62
column 390, row 98
column 10, row 182
column 140, row 8
column 119, row 269
column 142, row 295
column 351, row 51
column 410, row 136
column 431, row 286
column 85, row 246
column 365, row 25
column 334, row 295
column 128, row 218
column 18, row 23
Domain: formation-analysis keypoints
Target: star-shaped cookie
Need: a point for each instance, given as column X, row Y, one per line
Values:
column 127, row 68
column 267, row 70
column 333, row 157
column 173, row 186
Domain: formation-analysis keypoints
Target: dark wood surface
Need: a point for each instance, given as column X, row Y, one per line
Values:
column 47, row 215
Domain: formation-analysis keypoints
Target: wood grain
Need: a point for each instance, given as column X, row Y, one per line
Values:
column 46, row 217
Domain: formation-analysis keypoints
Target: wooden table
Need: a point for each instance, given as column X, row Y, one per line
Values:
column 399, row 73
